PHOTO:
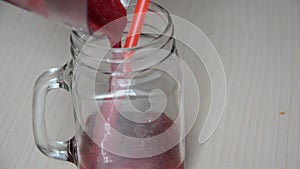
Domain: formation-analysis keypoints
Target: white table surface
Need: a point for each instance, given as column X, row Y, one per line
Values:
column 259, row 45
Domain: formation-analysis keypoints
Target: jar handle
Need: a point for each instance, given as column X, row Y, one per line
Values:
column 51, row 79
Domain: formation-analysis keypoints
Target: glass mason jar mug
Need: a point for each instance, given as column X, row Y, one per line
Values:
column 126, row 110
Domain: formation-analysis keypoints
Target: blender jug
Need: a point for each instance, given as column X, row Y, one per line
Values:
column 73, row 13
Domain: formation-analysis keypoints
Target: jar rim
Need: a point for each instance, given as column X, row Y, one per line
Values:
column 169, row 26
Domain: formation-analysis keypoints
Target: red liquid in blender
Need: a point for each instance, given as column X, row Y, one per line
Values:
column 101, row 13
